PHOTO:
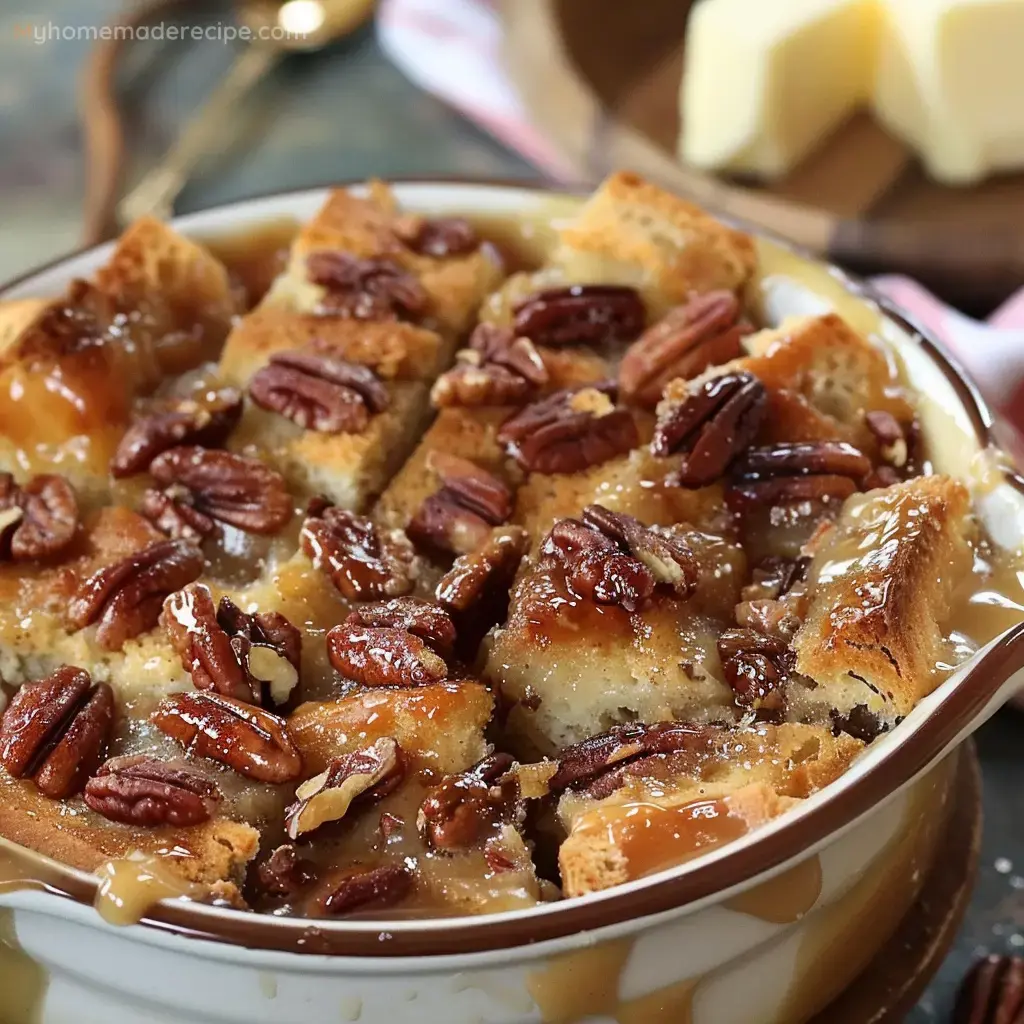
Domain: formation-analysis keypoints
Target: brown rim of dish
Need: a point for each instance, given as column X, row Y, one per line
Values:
column 693, row 882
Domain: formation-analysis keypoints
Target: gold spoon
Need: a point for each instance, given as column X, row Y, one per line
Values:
column 301, row 26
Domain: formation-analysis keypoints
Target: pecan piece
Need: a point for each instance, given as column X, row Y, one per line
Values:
column 233, row 489
column 422, row 618
column 668, row 558
column 992, row 992
column 362, row 775
column 54, row 731
column 439, row 237
column 206, row 423
column 255, row 743
column 714, row 423
column 461, row 808
column 458, row 518
column 125, row 598
column 145, row 792
column 253, row 658
column 171, row 511
column 684, row 343
column 37, row 520
column 363, row 562
column 580, row 315
column 355, row 889
column 383, row 656
column 569, row 430
column 284, row 872
column 756, row 666
column 583, row 762
column 497, row 368
column 788, row 473
column 775, row 601
column 377, row 289
column 595, row 568
column 473, row 578
column 319, row 391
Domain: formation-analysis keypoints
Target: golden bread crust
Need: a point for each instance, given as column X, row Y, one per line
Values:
column 391, row 348
column 670, row 247
column 366, row 227
column 439, row 726
column 217, row 851
column 882, row 581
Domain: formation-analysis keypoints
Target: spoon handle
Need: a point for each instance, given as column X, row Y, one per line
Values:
column 161, row 185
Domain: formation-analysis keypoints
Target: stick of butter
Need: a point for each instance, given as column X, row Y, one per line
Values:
column 950, row 82
column 766, row 80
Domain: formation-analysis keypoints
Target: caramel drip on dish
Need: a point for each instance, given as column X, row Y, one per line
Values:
column 785, row 898
column 585, row 984
column 580, row 984
column 670, row 1005
column 23, row 982
column 846, row 934
column 130, row 886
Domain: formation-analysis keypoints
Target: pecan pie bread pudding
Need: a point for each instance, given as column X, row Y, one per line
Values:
column 435, row 583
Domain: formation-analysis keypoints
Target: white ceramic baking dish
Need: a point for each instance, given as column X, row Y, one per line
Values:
column 765, row 930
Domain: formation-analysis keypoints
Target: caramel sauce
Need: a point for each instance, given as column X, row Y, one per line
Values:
column 23, row 982
column 652, row 837
column 785, row 898
column 840, row 940
column 255, row 255
column 131, row 885
column 585, row 984
column 580, row 984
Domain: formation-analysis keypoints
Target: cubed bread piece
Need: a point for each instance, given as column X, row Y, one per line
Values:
column 881, row 584
column 440, row 731
column 349, row 468
column 571, row 667
column 633, row 232
column 369, row 227
column 466, row 433
column 614, row 844
column 822, row 363
column 439, row 726
column 160, row 306
column 674, row 807
column 634, row 483
column 217, row 851
column 34, row 636
column 392, row 349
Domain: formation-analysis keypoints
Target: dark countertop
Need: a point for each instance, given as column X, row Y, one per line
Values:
column 348, row 114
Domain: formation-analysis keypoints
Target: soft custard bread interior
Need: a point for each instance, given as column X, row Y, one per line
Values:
column 570, row 667
column 882, row 580
column 35, row 638
column 161, row 305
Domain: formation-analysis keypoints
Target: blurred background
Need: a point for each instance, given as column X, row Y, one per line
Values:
column 535, row 90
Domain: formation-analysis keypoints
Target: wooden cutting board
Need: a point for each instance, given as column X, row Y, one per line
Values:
column 600, row 79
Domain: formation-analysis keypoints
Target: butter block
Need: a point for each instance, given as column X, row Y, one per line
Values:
column 765, row 82
column 950, row 82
